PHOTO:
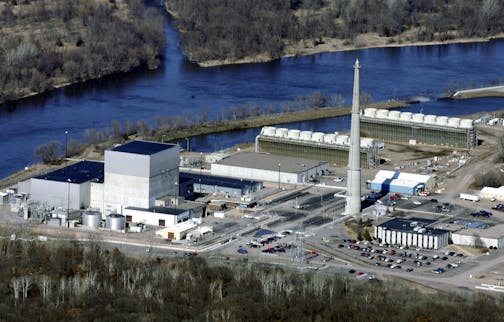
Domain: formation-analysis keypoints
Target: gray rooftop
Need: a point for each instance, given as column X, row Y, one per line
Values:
column 404, row 225
column 270, row 162
column 496, row 231
column 161, row 210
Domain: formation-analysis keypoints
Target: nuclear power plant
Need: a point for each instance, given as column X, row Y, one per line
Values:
column 353, row 199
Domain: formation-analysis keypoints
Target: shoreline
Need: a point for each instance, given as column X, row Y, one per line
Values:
column 220, row 127
column 291, row 51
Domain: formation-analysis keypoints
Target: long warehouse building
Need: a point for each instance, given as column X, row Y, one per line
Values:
column 268, row 167
column 412, row 232
column 406, row 127
column 329, row 147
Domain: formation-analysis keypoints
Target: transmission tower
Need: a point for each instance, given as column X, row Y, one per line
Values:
column 297, row 248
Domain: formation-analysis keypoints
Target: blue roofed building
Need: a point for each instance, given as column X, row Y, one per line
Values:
column 232, row 187
column 68, row 187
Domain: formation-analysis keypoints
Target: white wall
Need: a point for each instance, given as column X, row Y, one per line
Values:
column 263, row 175
column 56, row 193
column 470, row 240
column 152, row 218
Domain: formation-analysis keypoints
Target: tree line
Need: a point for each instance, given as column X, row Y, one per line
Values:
column 61, row 281
column 120, row 132
column 49, row 43
column 231, row 30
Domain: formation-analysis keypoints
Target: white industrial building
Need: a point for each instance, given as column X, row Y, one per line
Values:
column 156, row 216
column 412, row 232
column 480, row 237
column 68, row 187
column 402, row 182
column 136, row 174
column 492, row 193
column 267, row 167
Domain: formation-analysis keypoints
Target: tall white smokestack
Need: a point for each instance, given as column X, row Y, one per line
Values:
column 353, row 201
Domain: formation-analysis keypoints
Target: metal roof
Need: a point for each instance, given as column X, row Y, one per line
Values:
column 144, row 147
column 161, row 210
column 78, row 173
column 270, row 162
column 217, row 180
column 404, row 225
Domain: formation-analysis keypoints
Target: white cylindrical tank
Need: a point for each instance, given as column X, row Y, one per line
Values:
column 366, row 142
column 330, row 138
column 317, row 137
column 281, row 132
column 336, row 133
column 406, row 116
column 454, row 122
column 418, row 118
column 370, row 112
column 342, row 139
column 268, row 131
column 394, row 115
column 442, row 120
column 382, row 114
column 305, row 135
column 293, row 134
column 466, row 124
column 91, row 218
column 115, row 222
column 430, row 119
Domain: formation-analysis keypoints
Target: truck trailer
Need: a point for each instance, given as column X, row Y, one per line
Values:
column 466, row 196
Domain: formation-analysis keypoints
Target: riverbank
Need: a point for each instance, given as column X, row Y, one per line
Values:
column 492, row 91
column 332, row 45
column 208, row 128
column 269, row 119
column 46, row 47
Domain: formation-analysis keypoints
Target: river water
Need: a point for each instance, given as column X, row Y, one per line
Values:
column 179, row 86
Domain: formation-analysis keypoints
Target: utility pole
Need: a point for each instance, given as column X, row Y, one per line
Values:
column 66, row 144
column 68, row 199
column 279, row 165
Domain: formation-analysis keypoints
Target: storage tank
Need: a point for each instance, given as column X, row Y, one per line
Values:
column 394, row 115
column 366, row 142
column 293, row 134
column 466, row 124
column 336, row 133
column 430, row 119
column 115, row 222
column 317, row 137
column 406, row 116
column 281, row 132
column 454, row 122
column 268, row 131
column 418, row 118
column 91, row 218
column 342, row 139
column 305, row 135
column 370, row 112
column 382, row 114
column 442, row 120
column 330, row 138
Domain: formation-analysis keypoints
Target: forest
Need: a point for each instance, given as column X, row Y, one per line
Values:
column 50, row 43
column 232, row 30
column 64, row 281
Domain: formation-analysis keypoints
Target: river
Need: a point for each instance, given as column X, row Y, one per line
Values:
column 180, row 86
